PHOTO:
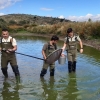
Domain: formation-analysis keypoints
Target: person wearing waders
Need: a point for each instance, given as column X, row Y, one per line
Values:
column 8, row 46
column 70, row 43
column 46, row 50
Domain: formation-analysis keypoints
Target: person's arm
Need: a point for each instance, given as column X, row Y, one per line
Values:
column 14, row 44
column 43, row 53
column 64, row 46
column 81, row 46
column 14, row 48
column 0, row 48
column 43, row 50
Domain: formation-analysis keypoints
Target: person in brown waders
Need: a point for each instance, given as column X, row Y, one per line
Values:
column 70, row 43
column 46, row 50
column 8, row 46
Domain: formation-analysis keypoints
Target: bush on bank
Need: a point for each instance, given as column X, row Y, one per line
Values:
column 86, row 30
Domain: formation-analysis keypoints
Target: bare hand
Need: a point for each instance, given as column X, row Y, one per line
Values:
column 45, row 58
column 81, row 50
column 10, row 50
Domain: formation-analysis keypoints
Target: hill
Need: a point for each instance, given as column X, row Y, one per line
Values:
column 22, row 19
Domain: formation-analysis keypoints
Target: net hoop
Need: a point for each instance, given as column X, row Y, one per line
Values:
column 52, row 57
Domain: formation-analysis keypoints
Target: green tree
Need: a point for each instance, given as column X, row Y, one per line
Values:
column 89, row 20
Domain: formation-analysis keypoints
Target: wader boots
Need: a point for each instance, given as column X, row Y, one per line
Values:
column 74, row 66
column 16, row 72
column 43, row 72
column 70, row 66
column 52, row 72
column 4, row 71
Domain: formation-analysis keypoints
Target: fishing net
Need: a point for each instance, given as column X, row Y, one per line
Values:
column 54, row 56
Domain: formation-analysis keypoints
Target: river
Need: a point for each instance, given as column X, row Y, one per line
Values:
column 82, row 85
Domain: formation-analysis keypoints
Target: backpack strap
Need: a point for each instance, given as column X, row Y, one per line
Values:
column 55, row 46
column 76, row 35
column 11, row 40
column 67, row 40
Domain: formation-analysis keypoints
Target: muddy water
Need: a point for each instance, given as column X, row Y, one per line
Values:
column 82, row 85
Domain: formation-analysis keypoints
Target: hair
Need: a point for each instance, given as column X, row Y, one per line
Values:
column 69, row 30
column 54, row 37
column 4, row 29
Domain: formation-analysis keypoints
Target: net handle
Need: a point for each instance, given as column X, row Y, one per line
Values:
column 29, row 56
column 25, row 55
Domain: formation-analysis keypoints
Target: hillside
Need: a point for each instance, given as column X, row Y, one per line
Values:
column 30, row 19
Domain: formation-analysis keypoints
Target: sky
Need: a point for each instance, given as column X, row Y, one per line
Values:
column 74, row 10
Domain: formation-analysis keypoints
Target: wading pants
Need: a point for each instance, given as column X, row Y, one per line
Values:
column 45, row 67
column 5, row 59
column 71, row 61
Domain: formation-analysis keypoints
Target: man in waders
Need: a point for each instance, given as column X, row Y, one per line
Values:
column 8, row 46
column 70, row 43
column 47, row 49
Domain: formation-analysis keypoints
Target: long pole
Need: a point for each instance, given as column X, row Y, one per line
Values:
column 29, row 56
column 25, row 55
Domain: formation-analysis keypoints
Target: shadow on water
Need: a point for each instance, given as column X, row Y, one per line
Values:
column 82, row 85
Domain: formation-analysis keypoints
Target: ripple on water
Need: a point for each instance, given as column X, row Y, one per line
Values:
column 82, row 85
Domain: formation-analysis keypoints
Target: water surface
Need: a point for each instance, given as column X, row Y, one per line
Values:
column 82, row 85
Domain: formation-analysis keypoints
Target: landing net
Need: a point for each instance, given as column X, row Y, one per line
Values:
column 55, row 55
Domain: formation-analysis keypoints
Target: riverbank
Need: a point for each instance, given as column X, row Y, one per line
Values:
column 95, row 43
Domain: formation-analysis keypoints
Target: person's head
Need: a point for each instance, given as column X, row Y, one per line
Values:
column 69, row 32
column 5, row 33
column 54, row 38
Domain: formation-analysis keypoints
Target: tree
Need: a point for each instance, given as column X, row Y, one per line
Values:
column 89, row 20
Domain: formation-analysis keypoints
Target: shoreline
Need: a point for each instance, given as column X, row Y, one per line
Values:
column 92, row 43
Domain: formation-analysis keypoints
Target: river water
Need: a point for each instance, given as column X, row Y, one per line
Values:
column 82, row 85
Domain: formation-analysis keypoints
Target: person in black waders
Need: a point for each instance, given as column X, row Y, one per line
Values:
column 70, row 43
column 46, row 50
column 8, row 46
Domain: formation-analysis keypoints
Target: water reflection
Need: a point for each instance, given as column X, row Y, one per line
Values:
column 9, row 92
column 71, row 88
column 80, row 86
column 92, row 53
column 49, row 92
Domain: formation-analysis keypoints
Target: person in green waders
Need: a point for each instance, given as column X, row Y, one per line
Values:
column 46, row 50
column 8, row 46
column 70, row 43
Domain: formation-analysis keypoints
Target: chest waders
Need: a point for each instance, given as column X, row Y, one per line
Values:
column 71, row 54
column 8, row 58
column 50, row 49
